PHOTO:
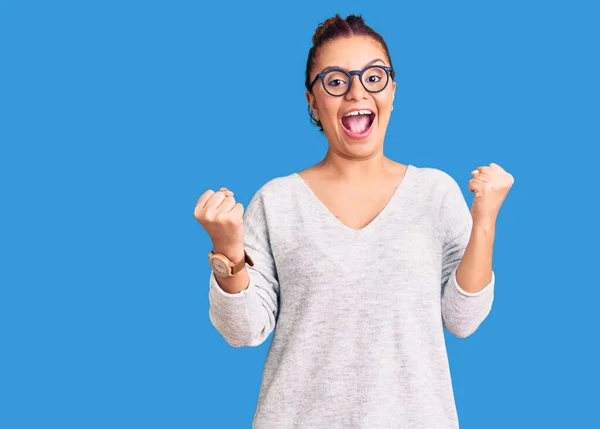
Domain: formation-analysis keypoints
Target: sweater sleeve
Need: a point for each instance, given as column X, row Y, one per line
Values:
column 248, row 317
column 462, row 311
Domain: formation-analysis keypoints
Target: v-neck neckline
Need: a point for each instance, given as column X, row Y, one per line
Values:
column 380, row 217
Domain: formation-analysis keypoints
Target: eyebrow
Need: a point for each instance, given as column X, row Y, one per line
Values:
column 370, row 63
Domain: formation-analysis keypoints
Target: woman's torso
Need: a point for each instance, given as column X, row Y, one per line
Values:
column 358, row 340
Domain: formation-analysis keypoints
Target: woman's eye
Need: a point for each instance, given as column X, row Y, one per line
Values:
column 373, row 79
column 336, row 82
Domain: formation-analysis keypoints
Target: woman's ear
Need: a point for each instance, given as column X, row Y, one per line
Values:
column 312, row 102
column 393, row 93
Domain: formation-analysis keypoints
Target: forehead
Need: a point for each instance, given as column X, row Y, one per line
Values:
column 351, row 53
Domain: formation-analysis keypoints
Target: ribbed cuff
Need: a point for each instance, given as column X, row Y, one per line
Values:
column 487, row 289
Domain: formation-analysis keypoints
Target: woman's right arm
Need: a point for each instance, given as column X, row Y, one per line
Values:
column 244, row 308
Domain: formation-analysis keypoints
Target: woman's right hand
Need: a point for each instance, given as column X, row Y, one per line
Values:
column 222, row 218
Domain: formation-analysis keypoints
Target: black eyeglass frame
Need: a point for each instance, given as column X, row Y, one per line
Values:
column 351, row 73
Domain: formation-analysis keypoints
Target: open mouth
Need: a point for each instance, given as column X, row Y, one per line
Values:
column 358, row 124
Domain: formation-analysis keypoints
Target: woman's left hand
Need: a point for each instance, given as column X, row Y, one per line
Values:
column 490, row 184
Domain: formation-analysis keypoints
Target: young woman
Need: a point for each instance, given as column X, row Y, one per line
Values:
column 356, row 264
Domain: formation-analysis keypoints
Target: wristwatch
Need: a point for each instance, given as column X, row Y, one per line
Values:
column 223, row 267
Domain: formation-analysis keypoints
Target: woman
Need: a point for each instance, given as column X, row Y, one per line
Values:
column 355, row 264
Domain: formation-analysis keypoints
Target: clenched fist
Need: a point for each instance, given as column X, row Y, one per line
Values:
column 490, row 184
column 222, row 218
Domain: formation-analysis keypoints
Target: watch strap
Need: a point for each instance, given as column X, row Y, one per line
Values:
column 237, row 267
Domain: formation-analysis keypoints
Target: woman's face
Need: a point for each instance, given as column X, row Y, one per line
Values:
column 352, row 135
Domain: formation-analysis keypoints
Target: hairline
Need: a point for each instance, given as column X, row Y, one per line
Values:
column 370, row 63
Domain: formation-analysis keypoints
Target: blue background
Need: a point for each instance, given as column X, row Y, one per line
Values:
column 116, row 116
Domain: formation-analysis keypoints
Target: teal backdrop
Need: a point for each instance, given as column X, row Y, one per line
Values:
column 115, row 116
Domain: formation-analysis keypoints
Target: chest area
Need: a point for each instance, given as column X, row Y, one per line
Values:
column 329, row 265
column 354, row 206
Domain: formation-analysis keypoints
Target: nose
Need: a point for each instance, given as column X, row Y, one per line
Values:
column 357, row 90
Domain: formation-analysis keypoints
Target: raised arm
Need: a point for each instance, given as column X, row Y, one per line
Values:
column 244, row 308
column 462, row 311
column 467, row 276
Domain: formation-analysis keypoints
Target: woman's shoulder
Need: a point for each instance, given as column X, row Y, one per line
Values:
column 277, row 193
column 433, row 177
column 278, row 185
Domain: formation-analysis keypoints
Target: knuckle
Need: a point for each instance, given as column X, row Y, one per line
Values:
column 232, row 219
column 211, row 215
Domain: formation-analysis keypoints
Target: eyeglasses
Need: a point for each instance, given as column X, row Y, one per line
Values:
column 337, row 82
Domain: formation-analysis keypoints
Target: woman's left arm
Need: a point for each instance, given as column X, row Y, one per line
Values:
column 490, row 184
column 474, row 271
column 467, row 275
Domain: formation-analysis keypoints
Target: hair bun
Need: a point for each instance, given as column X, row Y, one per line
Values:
column 321, row 28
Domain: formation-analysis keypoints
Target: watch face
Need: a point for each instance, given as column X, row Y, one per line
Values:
column 219, row 267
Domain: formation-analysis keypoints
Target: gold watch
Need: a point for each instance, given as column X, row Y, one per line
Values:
column 223, row 267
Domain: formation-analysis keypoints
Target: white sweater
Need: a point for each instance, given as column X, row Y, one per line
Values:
column 357, row 315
